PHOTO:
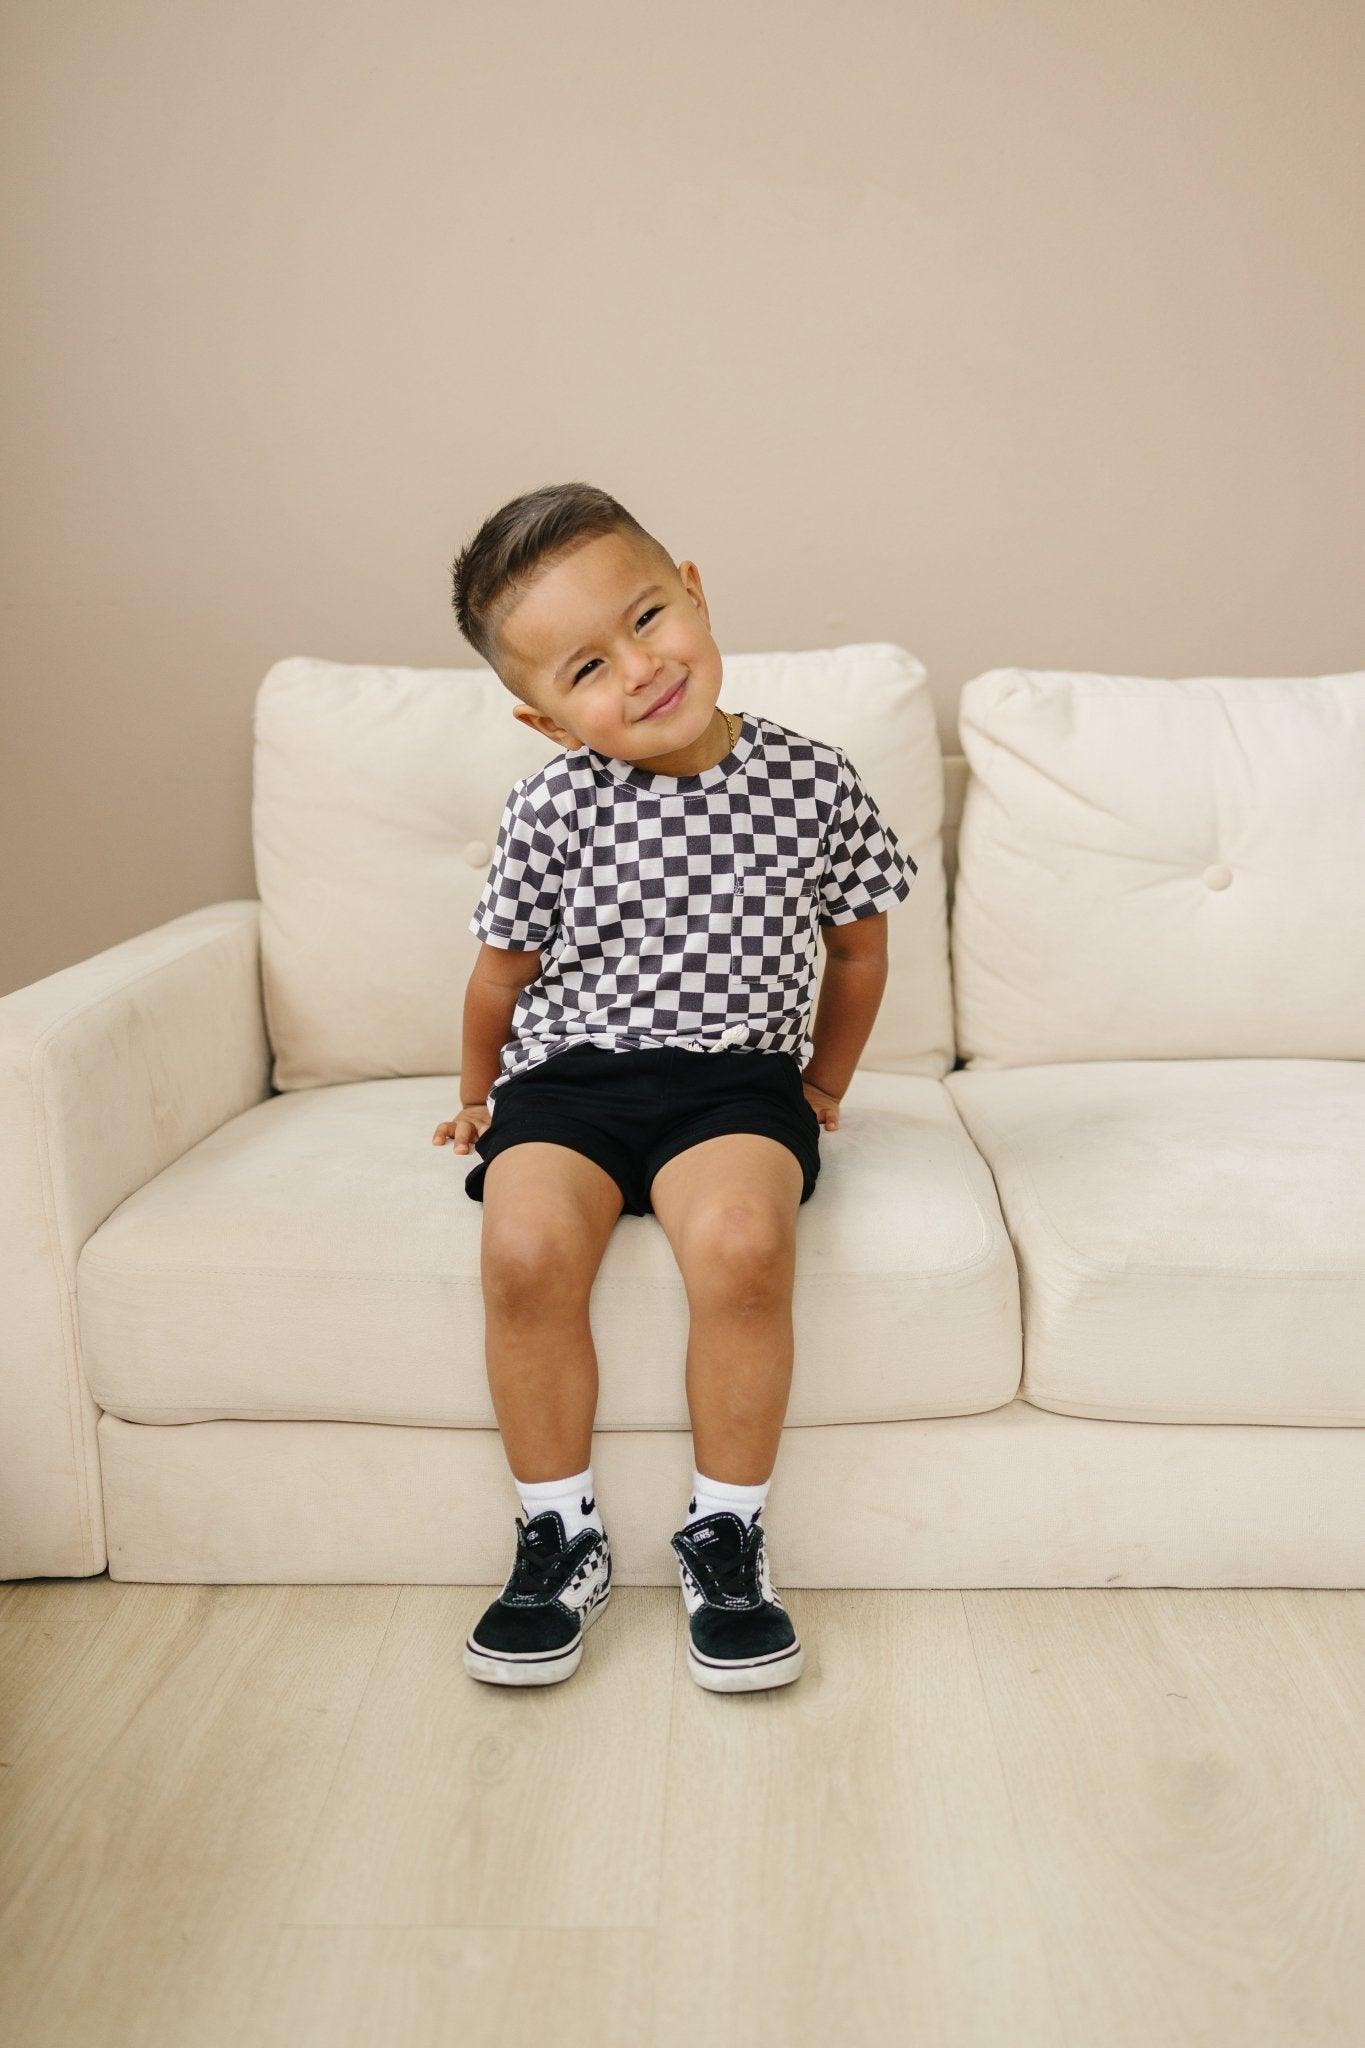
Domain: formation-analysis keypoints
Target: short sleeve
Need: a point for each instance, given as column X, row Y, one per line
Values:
column 866, row 868
column 520, row 900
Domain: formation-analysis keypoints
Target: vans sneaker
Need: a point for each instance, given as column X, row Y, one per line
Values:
column 741, row 1636
column 532, row 1634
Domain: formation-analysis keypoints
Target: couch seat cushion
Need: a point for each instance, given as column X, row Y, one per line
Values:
column 318, row 1257
column 1190, row 1234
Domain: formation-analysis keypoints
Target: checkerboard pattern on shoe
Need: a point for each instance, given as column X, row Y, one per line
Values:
column 532, row 1634
column 741, row 1637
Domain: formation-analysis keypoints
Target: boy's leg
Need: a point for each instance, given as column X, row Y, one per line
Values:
column 548, row 1214
column 728, row 1207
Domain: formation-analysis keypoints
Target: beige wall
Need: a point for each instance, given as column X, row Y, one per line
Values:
column 1011, row 332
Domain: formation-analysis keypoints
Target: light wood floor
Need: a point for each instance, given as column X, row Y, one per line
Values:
column 284, row 1814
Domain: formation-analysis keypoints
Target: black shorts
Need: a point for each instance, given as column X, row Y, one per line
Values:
column 633, row 1111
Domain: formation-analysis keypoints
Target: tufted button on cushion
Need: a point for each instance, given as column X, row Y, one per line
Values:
column 478, row 853
column 1218, row 876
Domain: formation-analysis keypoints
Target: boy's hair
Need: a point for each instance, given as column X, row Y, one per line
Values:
column 515, row 543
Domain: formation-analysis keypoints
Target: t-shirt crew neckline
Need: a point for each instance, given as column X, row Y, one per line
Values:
column 636, row 777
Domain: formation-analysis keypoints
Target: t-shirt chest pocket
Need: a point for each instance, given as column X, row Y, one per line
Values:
column 773, row 917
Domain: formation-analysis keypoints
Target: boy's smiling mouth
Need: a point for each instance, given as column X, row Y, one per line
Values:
column 665, row 704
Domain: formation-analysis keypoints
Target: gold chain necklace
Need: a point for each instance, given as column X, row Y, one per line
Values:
column 732, row 721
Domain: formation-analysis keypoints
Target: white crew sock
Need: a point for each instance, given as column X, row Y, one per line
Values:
column 710, row 1494
column 575, row 1498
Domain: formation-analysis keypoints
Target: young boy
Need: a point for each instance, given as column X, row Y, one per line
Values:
column 634, row 1039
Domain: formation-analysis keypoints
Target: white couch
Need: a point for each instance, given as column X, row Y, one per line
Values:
column 1081, row 1293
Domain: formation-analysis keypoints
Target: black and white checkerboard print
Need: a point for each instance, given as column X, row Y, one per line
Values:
column 683, row 910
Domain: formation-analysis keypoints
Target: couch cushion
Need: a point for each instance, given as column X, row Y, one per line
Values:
column 318, row 1257
column 1160, row 870
column 1190, row 1234
column 376, row 802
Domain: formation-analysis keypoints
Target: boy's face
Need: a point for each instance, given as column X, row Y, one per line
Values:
column 602, row 638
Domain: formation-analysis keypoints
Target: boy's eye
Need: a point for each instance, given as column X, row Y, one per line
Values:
column 639, row 622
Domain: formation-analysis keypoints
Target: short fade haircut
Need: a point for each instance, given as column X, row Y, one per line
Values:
column 520, row 540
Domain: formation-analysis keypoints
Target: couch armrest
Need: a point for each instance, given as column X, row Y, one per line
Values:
column 109, row 1071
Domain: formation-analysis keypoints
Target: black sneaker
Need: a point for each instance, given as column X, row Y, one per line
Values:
column 532, row 1634
column 742, row 1638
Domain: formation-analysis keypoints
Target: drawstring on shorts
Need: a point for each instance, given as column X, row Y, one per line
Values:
column 733, row 1035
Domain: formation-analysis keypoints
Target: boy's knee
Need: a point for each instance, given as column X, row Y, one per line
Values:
column 742, row 1250
column 533, row 1265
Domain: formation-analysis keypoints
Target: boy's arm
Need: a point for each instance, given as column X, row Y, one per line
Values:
column 513, row 918
column 865, row 867
column 498, row 979
column 851, row 989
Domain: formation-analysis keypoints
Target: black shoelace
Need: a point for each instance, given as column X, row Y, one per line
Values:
column 535, row 1569
column 736, row 1576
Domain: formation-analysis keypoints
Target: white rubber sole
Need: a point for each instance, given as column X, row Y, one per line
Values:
column 778, row 1669
column 532, row 1667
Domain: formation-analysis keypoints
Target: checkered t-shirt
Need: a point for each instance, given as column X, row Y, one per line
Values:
column 682, row 909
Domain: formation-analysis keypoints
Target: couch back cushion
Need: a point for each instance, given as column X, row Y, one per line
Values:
column 377, row 798
column 1153, row 869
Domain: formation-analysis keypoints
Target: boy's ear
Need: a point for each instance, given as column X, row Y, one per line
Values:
column 689, row 575
column 541, row 722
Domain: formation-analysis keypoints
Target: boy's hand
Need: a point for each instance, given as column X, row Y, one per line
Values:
column 826, row 1107
column 471, row 1123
